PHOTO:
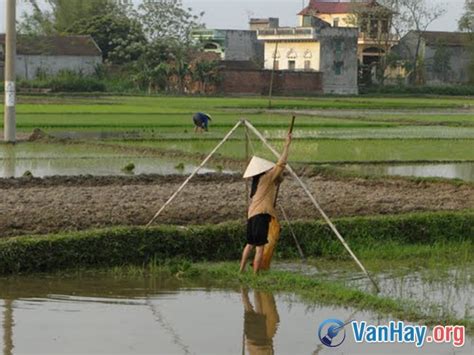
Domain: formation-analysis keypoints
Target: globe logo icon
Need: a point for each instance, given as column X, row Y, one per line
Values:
column 332, row 333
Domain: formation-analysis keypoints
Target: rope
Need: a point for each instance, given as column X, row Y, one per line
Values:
column 292, row 232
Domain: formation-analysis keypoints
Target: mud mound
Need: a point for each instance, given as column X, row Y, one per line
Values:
column 39, row 135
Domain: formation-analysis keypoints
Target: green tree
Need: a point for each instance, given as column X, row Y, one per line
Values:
column 167, row 25
column 62, row 14
column 36, row 23
column 66, row 12
column 120, row 38
column 205, row 73
column 417, row 15
column 153, row 69
column 167, row 20
column 441, row 61
column 466, row 22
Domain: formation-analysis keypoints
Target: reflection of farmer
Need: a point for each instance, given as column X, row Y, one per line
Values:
column 261, row 323
column 262, row 226
column 201, row 121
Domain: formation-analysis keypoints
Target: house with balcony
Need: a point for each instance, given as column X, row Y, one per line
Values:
column 372, row 19
column 322, row 48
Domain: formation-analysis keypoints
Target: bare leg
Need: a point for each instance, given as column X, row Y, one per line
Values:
column 257, row 261
column 246, row 301
column 245, row 255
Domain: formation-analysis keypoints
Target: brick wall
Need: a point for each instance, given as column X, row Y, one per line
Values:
column 240, row 81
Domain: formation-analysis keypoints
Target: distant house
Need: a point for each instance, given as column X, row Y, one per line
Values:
column 446, row 56
column 231, row 45
column 317, row 46
column 52, row 54
column 372, row 19
column 324, row 49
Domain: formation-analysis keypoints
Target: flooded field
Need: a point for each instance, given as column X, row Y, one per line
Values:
column 52, row 159
column 134, row 310
column 404, row 132
column 72, row 160
column 462, row 171
column 445, row 290
column 95, row 313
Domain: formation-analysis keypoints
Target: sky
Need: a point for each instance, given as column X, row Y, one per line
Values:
column 231, row 14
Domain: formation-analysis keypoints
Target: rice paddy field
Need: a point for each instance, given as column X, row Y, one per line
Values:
column 86, row 165
column 328, row 130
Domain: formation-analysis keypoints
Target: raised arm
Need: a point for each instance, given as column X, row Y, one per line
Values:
column 280, row 167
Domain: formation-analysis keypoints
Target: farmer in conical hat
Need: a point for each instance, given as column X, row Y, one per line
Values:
column 201, row 122
column 263, row 229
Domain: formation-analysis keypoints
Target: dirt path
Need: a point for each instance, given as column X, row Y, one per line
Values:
column 37, row 206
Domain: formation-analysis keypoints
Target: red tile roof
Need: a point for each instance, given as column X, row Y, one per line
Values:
column 325, row 7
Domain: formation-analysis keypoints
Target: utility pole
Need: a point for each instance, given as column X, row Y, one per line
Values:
column 9, row 123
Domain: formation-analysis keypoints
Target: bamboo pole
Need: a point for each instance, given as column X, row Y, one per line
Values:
column 315, row 203
column 247, row 161
column 194, row 173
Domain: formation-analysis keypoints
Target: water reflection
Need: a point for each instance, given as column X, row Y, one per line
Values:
column 9, row 161
column 8, row 328
column 463, row 171
column 101, row 313
column 260, row 322
column 74, row 160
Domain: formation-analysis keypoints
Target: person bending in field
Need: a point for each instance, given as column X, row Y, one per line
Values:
column 262, row 225
column 201, row 122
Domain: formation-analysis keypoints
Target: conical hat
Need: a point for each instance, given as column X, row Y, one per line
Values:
column 257, row 166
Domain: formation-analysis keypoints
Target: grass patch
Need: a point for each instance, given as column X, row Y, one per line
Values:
column 138, row 245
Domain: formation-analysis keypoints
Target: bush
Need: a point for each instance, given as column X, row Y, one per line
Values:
column 454, row 90
column 65, row 81
column 138, row 245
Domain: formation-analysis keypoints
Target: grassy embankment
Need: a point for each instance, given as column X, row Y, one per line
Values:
column 432, row 240
column 383, row 236
column 437, row 241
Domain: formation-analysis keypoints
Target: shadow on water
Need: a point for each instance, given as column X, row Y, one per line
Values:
column 99, row 313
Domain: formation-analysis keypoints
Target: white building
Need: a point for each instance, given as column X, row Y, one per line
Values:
column 52, row 54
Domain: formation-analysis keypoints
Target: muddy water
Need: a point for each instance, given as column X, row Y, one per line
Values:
column 96, row 314
column 52, row 159
column 463, row 171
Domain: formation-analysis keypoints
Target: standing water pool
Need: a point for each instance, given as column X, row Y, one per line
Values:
column 94, row 313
